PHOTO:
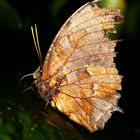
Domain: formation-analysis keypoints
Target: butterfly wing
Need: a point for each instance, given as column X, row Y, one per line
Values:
column 81, row 57
column 88, row 96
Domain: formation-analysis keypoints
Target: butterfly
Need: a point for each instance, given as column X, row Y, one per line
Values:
column 79, row 76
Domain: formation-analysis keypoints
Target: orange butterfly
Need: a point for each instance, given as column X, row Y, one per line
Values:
column 78, row 76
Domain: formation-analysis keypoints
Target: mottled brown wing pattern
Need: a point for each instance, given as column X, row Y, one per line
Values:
column 81, row 57
column 88, row 96
column 85, row 29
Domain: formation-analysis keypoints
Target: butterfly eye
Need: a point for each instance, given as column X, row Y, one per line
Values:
column 37, row 73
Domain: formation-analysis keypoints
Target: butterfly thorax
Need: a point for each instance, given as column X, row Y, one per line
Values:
column 42, row 86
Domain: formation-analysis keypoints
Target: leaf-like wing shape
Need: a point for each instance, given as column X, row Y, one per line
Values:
column 81, row 59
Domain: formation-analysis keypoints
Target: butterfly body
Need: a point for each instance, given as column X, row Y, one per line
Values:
column 79, row 76
column 43, row 88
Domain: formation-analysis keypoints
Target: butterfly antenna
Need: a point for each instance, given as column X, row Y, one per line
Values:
column 36, row 42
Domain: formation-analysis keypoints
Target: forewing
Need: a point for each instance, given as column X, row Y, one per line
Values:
column 82, row 41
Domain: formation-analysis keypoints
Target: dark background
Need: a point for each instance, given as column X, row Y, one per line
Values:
column 18, row 57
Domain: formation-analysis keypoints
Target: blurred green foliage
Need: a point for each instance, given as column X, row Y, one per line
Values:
column 132, row 21
column 20, row 126
column 56, row 6
column 8, row 15
column 114, row 3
